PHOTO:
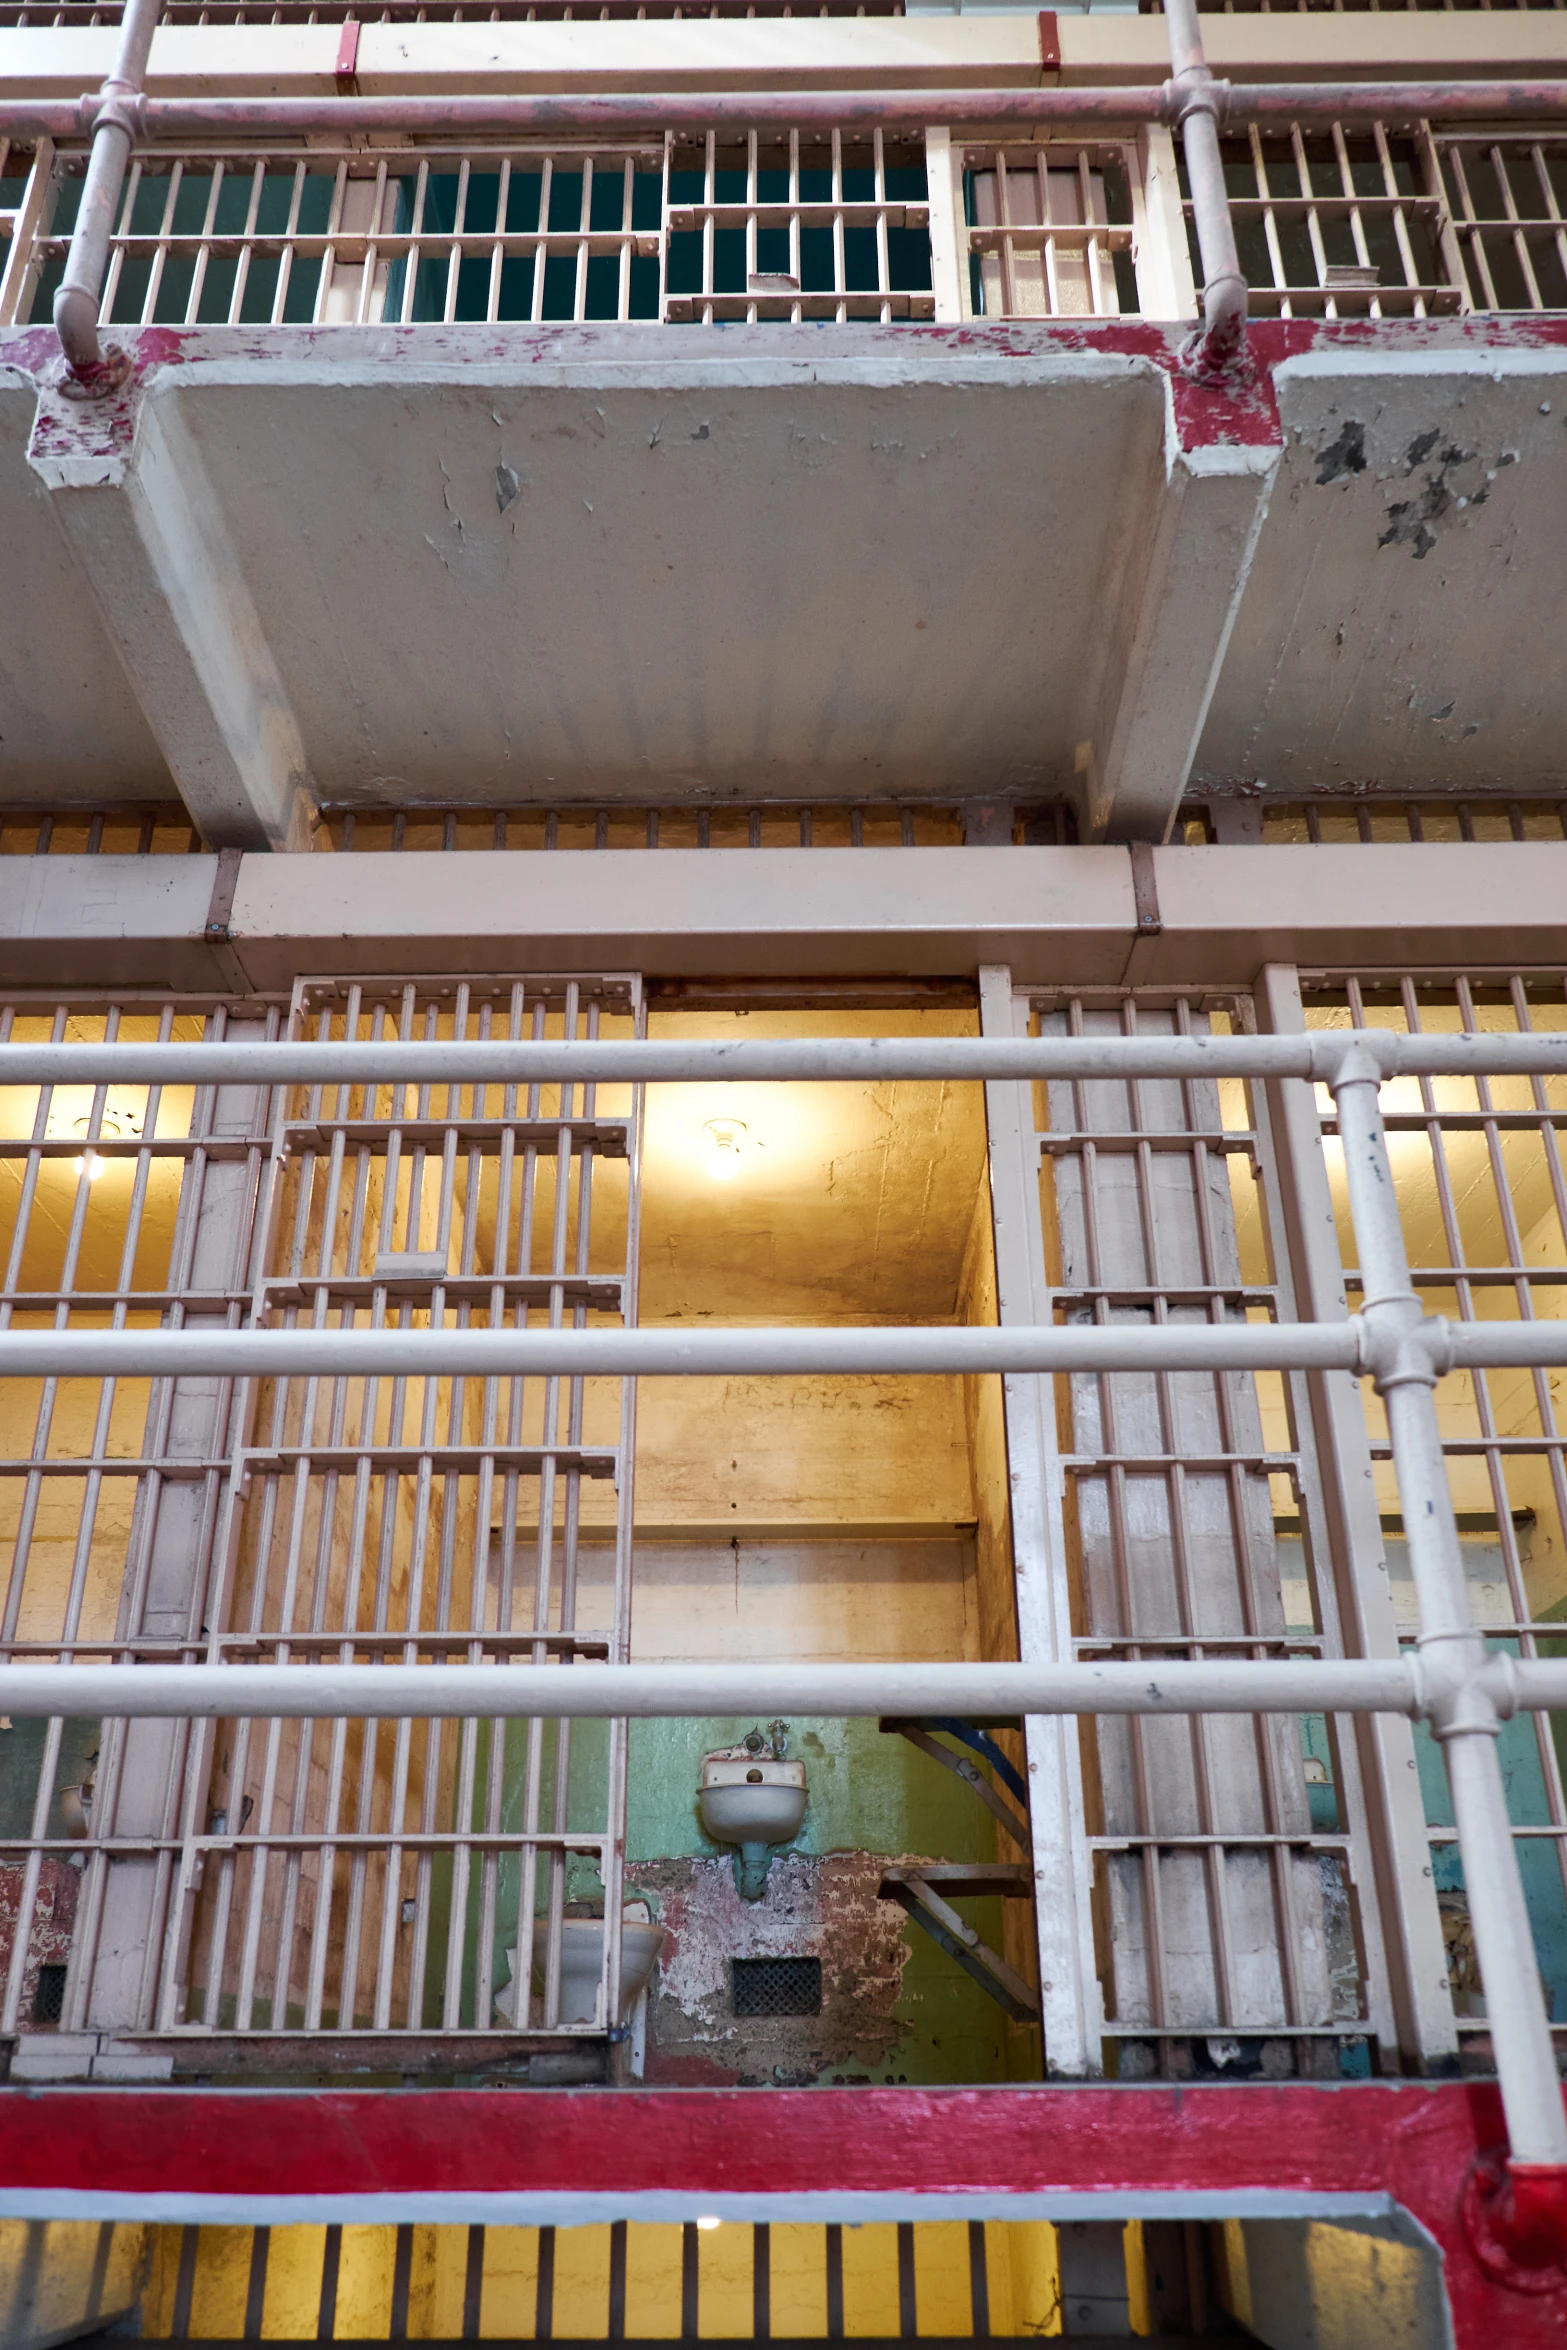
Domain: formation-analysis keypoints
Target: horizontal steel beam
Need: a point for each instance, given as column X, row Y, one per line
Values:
column 626, row 114
column 1431, row 1347
column 867, row 1060
column 687, row 1692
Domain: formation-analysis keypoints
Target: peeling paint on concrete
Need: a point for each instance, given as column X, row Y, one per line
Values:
column 1344, row 455
column 1413, row 522
column 815, row 1908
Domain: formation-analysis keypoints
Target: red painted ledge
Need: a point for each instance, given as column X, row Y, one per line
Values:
column 525, row 2155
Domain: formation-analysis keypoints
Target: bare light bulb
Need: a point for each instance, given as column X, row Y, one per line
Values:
column 726, row 1135
column 111, row 1129
column 92, row 1163
column 709, row 2219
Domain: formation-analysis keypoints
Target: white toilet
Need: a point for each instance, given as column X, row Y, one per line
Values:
column 582, row 1962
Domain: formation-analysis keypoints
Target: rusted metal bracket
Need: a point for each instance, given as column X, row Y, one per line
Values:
column 221, row 904
column 345, row 71
column 1145, row 890
column 920, row 1891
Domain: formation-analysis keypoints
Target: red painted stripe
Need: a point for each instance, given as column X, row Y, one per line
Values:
column 1386, row 2137
column 1413, row 2141
column 1049, row 41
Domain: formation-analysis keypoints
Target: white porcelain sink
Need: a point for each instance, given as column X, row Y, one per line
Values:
column 581, row 1963
column 751, row 1799
column 754, row 1801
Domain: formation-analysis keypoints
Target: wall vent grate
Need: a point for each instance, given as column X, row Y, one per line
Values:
column 49, row 1997
column 777, row 1986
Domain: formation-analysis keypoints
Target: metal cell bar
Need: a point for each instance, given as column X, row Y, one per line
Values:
column 1549, row 208
column 1520, row 241
column 247, row 244
column 1089, row 196
column 1407, row 1997
column 1270, row 219
column 1513, row 1242
column 579, row 307
column 198, row 276
column 546, row 197
column 710, row 194
column 1401, row 213
column 883, row 261
column 492, row 306
column 839, row 271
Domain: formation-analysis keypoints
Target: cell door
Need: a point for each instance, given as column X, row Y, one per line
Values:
column 416, row 1882
column 1212, row 1892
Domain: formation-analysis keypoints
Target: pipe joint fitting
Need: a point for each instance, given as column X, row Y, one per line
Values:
column 1363, row 1060
column 1457, row 1689
column 1401, row 1358
column 1515, row 2217
column 93, row 370
column 1216, row 355
column 1398, row 1346
column 120, row 108
column 1195, row 91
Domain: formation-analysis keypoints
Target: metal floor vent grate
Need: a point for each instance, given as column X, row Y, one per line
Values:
column 777, row 1986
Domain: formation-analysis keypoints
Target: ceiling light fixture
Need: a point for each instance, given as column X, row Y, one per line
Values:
column 727, row 1136
column 90, row 1163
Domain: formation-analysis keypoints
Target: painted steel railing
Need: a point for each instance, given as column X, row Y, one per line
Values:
column 1192, row 103
column 1452, row 1681
column 1332, row 220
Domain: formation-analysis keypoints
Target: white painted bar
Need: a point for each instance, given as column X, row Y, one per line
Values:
column 1350, row 1345
column 869, row 1060
column 686, row 1353
column 644, row 1692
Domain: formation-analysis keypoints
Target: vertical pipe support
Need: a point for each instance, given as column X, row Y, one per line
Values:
column 1216, row 354
column 1527, row 2217
column 95, row 370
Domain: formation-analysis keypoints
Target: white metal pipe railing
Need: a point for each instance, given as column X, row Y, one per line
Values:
column 1217, row 352
column 1361, row 1344
column 333, row 1690
column 620, row 114
column 1452, row 1680
column 846, row 1060
column 1463, row 1713
column 94, row 372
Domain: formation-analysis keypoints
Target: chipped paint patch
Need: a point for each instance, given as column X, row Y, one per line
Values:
column 1344, row 455
column 823, row 1908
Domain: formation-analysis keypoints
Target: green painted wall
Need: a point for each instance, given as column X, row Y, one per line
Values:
column 867, row 1792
